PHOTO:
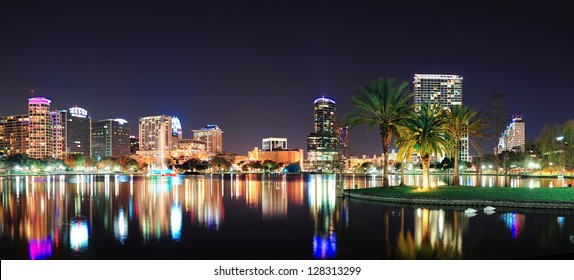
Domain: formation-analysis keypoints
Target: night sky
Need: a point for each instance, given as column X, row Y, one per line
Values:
column 255, row 68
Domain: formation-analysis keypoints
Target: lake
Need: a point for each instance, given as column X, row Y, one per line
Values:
column 257, row 216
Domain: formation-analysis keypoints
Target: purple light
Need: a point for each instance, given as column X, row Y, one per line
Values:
column 40, row 249
column 39, row 100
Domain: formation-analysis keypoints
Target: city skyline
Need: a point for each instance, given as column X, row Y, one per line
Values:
column 255, row 70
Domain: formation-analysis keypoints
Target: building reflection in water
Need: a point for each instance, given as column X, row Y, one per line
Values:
column 121, row 226
column 514, row 222
column 321, row 192
column 204, row 202
column 436, row 235
column 273, row 198
column 79, row 235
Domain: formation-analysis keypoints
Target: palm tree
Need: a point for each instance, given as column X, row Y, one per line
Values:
column 462, row 122
column 381, row 103
column 426, row 134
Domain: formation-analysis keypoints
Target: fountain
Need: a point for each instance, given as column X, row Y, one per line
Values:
column 159, row 168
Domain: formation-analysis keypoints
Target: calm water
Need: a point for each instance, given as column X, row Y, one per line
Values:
column 256, row 217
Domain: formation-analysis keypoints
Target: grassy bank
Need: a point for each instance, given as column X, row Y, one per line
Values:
column 448, row 193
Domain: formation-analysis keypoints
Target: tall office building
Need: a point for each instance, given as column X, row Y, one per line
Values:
column 110, row 138
column 41, row 139
column 323, row 144
column 212, row 135
column 444, row 90
column 155, row 131
column 343, row 134
column 273, row 144
column 76, row 131
column 514, row 137
column 176, row 131
column 14, row 135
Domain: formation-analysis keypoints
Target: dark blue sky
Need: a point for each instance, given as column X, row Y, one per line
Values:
column 255, row 68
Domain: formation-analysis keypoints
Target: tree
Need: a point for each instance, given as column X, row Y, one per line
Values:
column 220, row 164
column 426, row 134
column 382, row 104
column 195, row 164
column 75, row 160
column 497, row 114
column 547, row 142
column 270, row 165
column 462, row 122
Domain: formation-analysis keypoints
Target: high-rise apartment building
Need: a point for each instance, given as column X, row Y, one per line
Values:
column 444, row 90
column 110, row 138
column 514, row 137
column 14, row 135
column 155, row 131
column 58, row 136
column 273, row 144
column 212, row 135
column 324, row 144
column 41, row 131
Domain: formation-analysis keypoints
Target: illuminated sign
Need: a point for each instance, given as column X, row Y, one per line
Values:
column 78, row 112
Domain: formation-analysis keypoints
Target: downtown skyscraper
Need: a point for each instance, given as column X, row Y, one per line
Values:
column 324, row 144
column 445, row 91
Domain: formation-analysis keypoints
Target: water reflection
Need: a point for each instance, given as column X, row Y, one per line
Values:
column 52, row 215
column 322, row 206
column 514, row 222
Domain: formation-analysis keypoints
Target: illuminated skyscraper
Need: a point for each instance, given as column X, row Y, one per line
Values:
column 444, row 90
column 176, row 131
column 76, row 131
column 514, row 137
column 110, row 138
column 323, row 145
column 212, row 135
column 41, row 139
column 151, row 129
column 14, row 135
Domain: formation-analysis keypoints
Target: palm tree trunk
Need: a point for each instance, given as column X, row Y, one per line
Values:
column 426, row 163
column 403, row 173
column 455, row 171
column 386, row 139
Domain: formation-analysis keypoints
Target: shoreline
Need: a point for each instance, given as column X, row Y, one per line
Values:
column 555, row 205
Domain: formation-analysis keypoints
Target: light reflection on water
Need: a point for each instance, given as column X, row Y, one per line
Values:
column 55, row 214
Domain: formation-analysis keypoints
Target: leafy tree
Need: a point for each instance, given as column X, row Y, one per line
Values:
column 547, row 142
column 426, row 134
column 270, row 165
column 384, row 104
column 497, row 115
column 195, row 164
column 220, row 164
column 75, row 160
column 446, row 164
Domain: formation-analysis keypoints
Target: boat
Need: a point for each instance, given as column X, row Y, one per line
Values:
column 470, row 210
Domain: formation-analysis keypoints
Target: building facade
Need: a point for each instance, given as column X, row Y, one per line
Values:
column 286, row 156
column 324, row 143
column 14, row 135
column 110, row 138
column 41, row 131
column 444, row 90
column 273, row 144
column 154, row 132
column 212, row 135
column 76, row 131
column 514, row 136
